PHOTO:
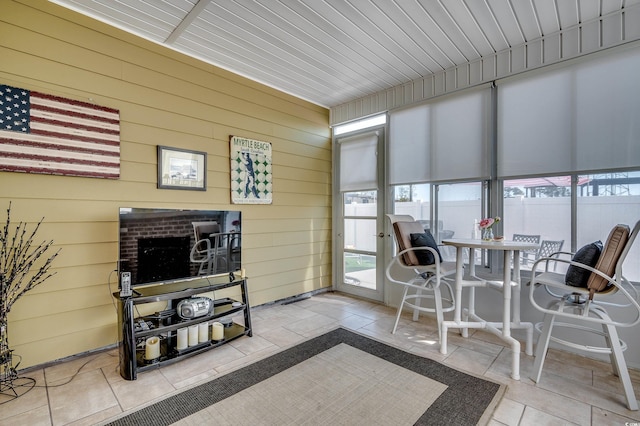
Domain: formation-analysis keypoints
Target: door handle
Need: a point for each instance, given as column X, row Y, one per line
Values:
column 381, row 235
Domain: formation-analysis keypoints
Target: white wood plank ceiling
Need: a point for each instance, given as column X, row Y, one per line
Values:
column 333, row 51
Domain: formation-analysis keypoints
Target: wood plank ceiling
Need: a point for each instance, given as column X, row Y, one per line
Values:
column 330, row 52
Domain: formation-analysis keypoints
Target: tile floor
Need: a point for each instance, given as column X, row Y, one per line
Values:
column 89, row 390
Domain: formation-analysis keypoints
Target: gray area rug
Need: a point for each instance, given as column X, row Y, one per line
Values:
column 402, row 388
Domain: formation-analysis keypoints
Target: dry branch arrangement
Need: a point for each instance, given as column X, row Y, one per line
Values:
column 18, row 256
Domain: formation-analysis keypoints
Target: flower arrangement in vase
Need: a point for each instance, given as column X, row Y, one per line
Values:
column 485, row 226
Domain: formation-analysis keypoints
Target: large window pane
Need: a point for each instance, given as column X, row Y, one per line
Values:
column 538, row 207
column 360, row 210
column 413, row 200
column 360, row 234
column 605, row 200
column 459, row 208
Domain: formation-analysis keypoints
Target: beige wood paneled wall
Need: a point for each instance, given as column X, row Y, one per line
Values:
column 164, row 98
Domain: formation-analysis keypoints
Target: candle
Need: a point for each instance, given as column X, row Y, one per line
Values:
column 193, row 335
column 217, row 331
column 183, row 339
column 152, row 348
column 242, row 273
column 203, row 332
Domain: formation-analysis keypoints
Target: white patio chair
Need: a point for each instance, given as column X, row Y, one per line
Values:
column 420, row 281
column 585, row 308
column 527, row 256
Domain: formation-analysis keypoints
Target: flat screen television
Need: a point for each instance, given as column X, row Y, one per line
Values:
column 169, row 245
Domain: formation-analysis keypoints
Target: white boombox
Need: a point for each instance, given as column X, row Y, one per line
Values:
column 194, row 307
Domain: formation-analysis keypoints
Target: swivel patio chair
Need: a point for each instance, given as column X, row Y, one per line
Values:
column 582, row 297
column 417, row 267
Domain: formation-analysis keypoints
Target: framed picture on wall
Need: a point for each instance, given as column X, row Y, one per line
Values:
column 182, row 169
column 251, row 171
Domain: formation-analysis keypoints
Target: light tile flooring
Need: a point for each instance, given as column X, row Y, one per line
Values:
column 89, row 390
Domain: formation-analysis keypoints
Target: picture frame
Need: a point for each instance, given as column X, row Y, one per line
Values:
column 182, row 169
column 251, row 171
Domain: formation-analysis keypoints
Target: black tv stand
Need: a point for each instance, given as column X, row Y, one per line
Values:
column 133, row 334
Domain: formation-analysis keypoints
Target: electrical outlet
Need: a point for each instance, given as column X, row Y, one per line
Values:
column 125, row 284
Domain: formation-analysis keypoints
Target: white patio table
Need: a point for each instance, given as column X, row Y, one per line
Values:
column 502, row 329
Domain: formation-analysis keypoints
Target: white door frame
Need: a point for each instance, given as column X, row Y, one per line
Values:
column 339, row 283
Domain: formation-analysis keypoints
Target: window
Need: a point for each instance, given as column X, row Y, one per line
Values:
column 414, row 200
column 541, row 207
column 566, row 154
column 567, row 151
column 603, row 201
column 458, row 207
column 360, row 124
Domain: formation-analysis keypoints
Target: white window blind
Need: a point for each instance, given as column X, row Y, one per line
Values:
column 409, row 142
column 359, row 162
column 608, row 113
column 441, row 141
column 578, row 118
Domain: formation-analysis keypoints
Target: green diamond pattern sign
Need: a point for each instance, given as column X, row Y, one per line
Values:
column 251, row 171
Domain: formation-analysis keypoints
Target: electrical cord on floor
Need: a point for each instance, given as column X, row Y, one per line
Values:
column 18, row 382
column 14, row 370
column 70, row 379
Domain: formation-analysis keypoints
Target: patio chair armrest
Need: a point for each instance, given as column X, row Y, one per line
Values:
column 434, row 252
column 557, row 254
column 420, row 271
column 556, row 280
column 553, row 257
column 535, row 276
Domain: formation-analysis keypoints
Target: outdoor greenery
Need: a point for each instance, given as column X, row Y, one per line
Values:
column 358, row 262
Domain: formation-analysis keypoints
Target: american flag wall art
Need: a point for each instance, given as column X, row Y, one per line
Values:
column 53, row 135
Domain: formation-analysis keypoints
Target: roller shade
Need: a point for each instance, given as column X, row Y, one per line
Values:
column 444, row 140
column 577, row 119
column 359, row 162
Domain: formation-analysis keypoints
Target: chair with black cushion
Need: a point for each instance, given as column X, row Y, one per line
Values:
column 582, row 301
column 418, row 267
column 527, row 256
